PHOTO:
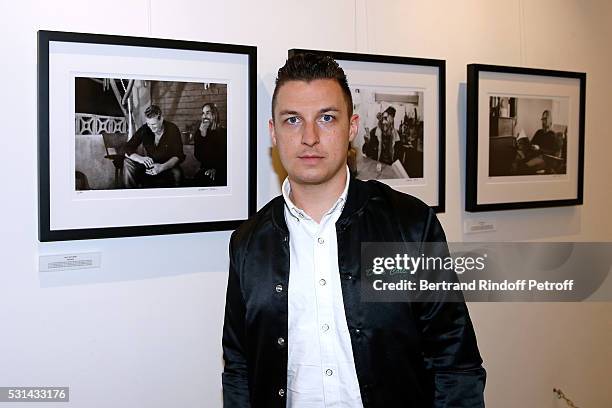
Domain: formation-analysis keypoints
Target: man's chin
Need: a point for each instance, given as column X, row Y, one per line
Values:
column 311, row 177
column 307, row 176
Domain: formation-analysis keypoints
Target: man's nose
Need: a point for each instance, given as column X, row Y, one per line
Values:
column 310, row 136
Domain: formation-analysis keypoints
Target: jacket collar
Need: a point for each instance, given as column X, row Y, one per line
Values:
column 357, row 197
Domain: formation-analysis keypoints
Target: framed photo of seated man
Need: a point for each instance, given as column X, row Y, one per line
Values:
column 156, row 134
column 525, row 138
column 141, row 136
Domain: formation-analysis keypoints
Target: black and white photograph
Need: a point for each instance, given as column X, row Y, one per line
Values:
column 144, row 136
column 389, row 143
column 527, row 136
column 133, row 133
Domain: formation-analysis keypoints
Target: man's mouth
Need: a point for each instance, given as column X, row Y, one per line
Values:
column 310, row 158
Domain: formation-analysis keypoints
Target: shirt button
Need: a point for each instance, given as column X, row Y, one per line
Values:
column 322, row 282
column 328, row 372
column 279, row 288
column 325, row 327
column 321, row 241
column 281, row 392
column 281, row 341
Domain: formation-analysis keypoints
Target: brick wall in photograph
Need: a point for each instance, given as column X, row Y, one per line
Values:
column 181, row 102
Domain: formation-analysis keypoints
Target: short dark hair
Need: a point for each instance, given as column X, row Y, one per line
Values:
column 153, row 111
column 309, row 67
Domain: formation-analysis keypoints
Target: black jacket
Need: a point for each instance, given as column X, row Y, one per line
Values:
column 406, row 354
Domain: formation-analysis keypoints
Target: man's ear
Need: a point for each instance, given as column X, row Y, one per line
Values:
column 272, row 132
column 353, row 127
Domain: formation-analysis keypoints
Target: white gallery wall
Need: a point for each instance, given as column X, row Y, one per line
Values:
column 144, row 329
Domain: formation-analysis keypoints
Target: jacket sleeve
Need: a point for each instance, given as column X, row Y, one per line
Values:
column 234, row 378
column 449, row 342
column 131, row 146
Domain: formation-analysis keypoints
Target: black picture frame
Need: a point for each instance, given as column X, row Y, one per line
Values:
column 516, row 84
column 123, row 45
column 439, row 203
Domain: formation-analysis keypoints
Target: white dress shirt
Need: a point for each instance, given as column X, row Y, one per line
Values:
column 320, row 368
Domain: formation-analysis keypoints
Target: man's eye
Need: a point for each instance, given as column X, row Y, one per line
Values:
column 293, row 120
column 327, row 118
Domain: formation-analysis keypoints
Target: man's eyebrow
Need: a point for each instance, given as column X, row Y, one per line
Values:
column 292, row 112
column 288, row 112
column 329, row 109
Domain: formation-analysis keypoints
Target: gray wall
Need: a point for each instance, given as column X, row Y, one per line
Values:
column 144, row 330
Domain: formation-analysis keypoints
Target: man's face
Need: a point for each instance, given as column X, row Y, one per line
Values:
column 387, row 120
column 311, row 129
column 545, row 120
column 155, row 124
column 207, row 115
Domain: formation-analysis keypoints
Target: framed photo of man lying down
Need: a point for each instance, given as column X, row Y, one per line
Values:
column 525, row 138
column 143, row 136
column 401, row 104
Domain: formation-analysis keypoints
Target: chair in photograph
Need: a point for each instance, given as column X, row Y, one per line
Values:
column 114, row 144
column 502, row 145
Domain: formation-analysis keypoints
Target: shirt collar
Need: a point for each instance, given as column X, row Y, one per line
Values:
column 299, row 213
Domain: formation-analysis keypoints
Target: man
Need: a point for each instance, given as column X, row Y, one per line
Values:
column 389, row 136
column 545, row 139
column 160, row 166
column 210, row 148
column 296, row 332
column 384, row 132
column 530, row 157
